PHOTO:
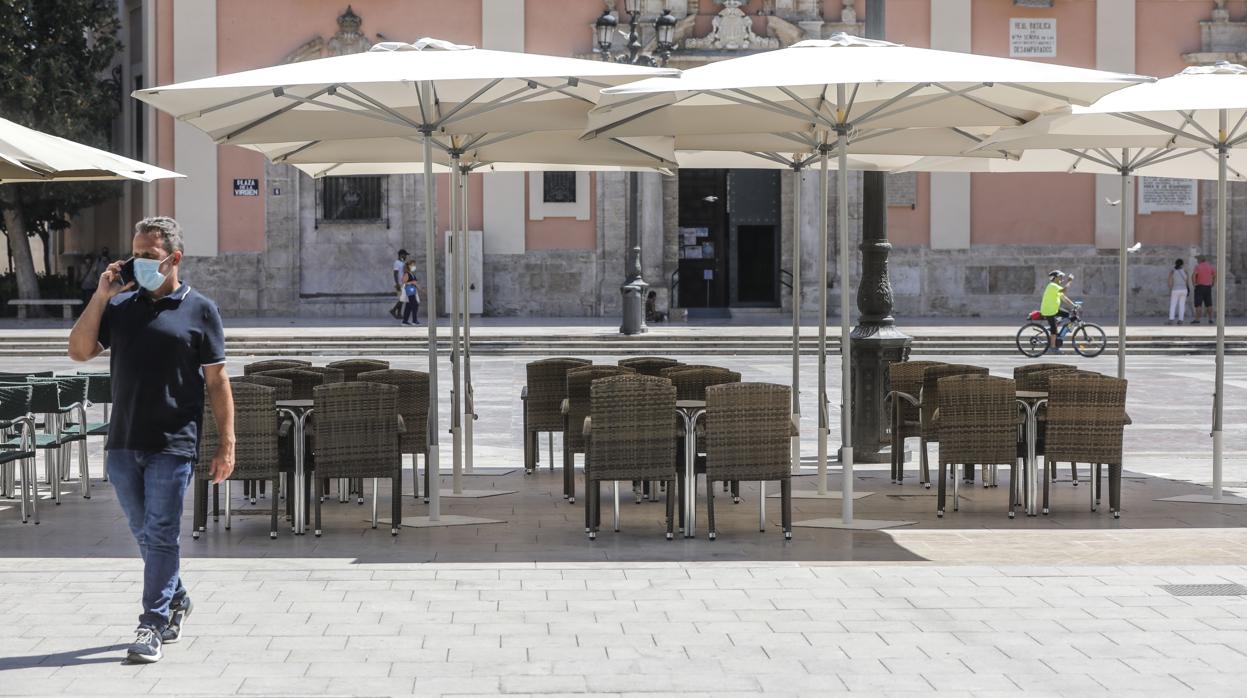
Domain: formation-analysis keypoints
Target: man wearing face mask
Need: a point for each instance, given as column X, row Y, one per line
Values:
column 168, row 350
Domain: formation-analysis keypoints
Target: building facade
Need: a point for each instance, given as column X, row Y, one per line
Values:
column 266, row 240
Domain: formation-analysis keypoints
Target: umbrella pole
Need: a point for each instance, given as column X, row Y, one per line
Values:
column 456, row 393
column 430, row 251
column 1123, row 272
column 469, row 401
column 1218, row 398
column 842, row 215
column 796, row 318
column 823, row 418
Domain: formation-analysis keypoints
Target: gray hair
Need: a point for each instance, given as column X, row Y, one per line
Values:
column 169, row 230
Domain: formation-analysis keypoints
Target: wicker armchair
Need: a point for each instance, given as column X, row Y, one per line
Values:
column 542, row 399
column 273, row 365
column 904, row 389
column 978, row 423
column 351, row 368
column 1020, row 372
column 575, row 408
column 256, row 450
column 930, row 402
column 1086, row 417
column 749, row 434
column 357, row 430
column 283, row 389
column 648, row 365
column 631, row 436
column 413, row 407
column 1034, row 378
column 691, row 382
column 301, row 381
column 331, row 375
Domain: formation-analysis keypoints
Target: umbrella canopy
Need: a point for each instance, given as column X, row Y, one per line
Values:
column 1197, row 114
column 378, row 93
column 847, row 94
column 27, row 155
column 442, row 97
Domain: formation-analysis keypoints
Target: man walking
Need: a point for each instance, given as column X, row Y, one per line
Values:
column 400, row 266
column 168, row 349
column 1203, row 277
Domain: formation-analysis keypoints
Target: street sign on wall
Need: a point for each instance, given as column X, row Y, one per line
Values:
column 246, row 187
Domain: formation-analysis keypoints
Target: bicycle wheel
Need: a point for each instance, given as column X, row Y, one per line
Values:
column 1088, row 339
column 1033, row 339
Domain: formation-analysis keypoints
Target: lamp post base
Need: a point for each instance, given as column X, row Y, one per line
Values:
column 872, row 349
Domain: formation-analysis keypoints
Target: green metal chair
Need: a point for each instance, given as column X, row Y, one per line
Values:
column 15, row 416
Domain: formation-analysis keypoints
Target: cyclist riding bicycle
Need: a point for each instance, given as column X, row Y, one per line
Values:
column 1053, row 304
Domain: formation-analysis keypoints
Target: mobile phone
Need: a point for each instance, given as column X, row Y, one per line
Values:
column 127, row 272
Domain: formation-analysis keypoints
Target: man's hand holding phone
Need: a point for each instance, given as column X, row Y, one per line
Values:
column 117, row 278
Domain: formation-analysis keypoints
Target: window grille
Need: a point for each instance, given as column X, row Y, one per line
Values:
column 558, row 187
column 353, row 199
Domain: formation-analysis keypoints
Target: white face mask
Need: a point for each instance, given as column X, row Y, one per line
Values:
column 147, row 273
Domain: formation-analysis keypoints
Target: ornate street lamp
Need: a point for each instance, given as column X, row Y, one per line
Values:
column 634, row 287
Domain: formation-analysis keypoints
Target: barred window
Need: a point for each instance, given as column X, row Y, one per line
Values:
column 352, row 198
column 558, row 187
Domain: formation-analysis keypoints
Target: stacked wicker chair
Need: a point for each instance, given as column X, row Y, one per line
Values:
column 690, row 384
column 978, row 420
column 749, row 434
column 542, row 399
column 1034, row 378
column 357, row 436
column 1086, row 417
column 331, row 375
column 631, row 436
column 283, row 389
column 904, row 389
column 351, row 368
column 301, row 380
column 273, row 365
column 574, row 409
column 413, row 407
column 930, row 398
column 256, row 451
column 649, row 365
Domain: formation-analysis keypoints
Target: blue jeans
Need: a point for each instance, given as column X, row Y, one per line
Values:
column 150, row 488
column 412, row 310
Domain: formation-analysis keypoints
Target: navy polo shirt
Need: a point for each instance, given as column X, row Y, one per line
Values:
column 159, row 348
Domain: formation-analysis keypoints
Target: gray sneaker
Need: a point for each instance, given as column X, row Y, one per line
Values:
column 177, row 617
column 146, row 646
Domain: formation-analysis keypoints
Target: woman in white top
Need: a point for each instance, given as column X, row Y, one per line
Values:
column 1179, row 285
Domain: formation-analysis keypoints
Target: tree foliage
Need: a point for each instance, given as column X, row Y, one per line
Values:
column 57, row 75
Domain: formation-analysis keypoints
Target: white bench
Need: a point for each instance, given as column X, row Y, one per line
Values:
column 67, row 306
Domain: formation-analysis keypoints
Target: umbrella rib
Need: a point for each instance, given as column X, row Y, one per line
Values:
column 1042, row 93
column 873, row 112
column 270, row 116
column 813, row 112
column 770, row 157
column 984, row 103
column 1083, row 154
column 285, row 156
column 643, row 151
column 502, row 102
column 1165, row 156
column 482, row 141
column 424, row 114
column 1141, row 120
column 848, row 108
column 224, row 105
column 472, row 98
column 563, row 90
column 1237, row 124
column 759, row 103
column 378, row 105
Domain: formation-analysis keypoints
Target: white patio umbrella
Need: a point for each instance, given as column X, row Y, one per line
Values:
column 27, row 155
column 1181, row 163
column 847, row 94
column 1199, row 112
column 429, row 90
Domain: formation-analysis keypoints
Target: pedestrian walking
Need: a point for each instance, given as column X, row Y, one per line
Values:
column 411, row 287
column 92, row 267
column 1179, row 285
column 168, row 350
column 399, row 265
column 1203, row 277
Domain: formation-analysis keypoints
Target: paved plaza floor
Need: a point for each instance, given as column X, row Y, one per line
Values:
column 972, row 604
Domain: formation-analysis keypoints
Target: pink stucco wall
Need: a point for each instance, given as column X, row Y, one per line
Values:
column 475, row 197
column 258, row 34
column 1167, row 29
column 1054, row 208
